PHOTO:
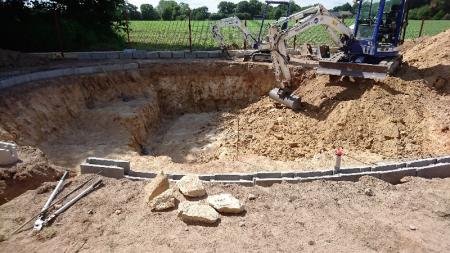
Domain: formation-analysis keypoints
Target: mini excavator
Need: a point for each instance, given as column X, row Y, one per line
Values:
column 370, row 50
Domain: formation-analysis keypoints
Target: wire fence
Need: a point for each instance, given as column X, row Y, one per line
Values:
column 197, row 35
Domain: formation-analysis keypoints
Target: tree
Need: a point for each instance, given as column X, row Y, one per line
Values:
column 226, row 8
column 184, row 10
column 200, row 13
column 149, row 13
column 344, row 7
column 167, row 9
column 243, row 7
column 133, row 12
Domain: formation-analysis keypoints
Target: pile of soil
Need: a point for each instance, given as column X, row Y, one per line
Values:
column 366, row 216
column 28, row 173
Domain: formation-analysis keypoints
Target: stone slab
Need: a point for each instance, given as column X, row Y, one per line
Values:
column 443, row 159
column 267, row 181
column 165, row 54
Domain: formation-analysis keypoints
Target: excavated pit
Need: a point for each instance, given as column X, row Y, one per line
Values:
column 215, row 116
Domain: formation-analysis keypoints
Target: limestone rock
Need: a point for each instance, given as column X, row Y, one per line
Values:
column 197, row 212
column 225, row 203
column 157, row 186
column 191, row 186
column 164, row 201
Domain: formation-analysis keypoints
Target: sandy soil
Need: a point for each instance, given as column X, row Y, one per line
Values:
column 314, row 217
column 30, row 172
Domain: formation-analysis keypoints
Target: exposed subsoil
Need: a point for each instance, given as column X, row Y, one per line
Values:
column 313, row 217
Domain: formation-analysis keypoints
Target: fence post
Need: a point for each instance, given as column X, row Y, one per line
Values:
column 58, row 32
column 245, row 39
column 127, row 27
column 190, row 32
column 421, row 27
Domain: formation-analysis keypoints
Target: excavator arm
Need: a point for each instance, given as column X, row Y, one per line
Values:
column 229, row 22
column 316, row 15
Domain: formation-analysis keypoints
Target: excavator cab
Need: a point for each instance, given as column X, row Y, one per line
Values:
column 373, row 52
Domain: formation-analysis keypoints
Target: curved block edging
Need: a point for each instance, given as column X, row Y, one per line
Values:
column 75, row 71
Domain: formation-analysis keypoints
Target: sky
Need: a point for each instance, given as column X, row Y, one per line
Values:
column 212, row 5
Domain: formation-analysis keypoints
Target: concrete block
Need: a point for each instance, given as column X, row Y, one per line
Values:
column 206, row 177
column 384, row 167
column 98, row 56
column 440, row 170
column 346, row 177
column 394, row 176
column 165, row 54
column 305, row 174
column 111, row 67
column 84, row 56
column 444, row 159
column 189, row 55
column 8, row 157
column 6, row 83
column 106, row 171
column 139, row 54
column 177, row 54
column 130, row 66
column 54, row 73
column 215, row 54
column 37, row 76
column 22, row 79
column 112, row 55
column 248, row 176
column 201, row 54
column 267, row 181
column 228, row 177
column 176, row 176
column 310, row 179
column 110, row 162
column 152, row 55
column 421, row 162
column 126, row 55
column 365, row 169
column 268, row 174
column 141, row 174
column 85, row 70
column 350, row 170
column 288, row 174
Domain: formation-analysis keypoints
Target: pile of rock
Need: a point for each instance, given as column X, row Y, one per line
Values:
column 159, row 196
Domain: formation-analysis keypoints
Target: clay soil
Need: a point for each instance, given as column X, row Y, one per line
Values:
column 312, row 217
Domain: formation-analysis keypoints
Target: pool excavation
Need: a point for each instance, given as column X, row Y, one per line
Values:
column 131, row 119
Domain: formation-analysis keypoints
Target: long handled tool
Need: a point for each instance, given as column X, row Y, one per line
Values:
column 54, row 203
column 40, row 222
column 52, row 196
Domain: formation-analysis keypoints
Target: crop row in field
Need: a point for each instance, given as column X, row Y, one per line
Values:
column 174, row 35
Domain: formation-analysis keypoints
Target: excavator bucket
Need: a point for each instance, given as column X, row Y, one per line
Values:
column 362, row 70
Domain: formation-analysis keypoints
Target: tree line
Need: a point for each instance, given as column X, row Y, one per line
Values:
column 172, row 10
column 418, row 9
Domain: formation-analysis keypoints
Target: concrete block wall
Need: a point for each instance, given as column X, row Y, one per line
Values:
column 428, row 168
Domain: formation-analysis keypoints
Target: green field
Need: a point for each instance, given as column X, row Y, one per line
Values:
column 174, row 35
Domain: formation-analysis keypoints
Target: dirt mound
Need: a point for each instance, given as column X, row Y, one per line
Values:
column 429, row 51
column 320, row 215
column 32, row 169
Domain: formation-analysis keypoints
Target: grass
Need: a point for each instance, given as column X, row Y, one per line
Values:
column 174, row 35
